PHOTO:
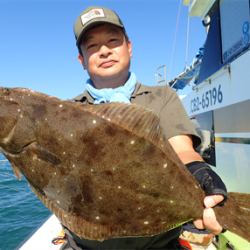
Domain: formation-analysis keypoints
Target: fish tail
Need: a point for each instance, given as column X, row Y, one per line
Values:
column 235, row 214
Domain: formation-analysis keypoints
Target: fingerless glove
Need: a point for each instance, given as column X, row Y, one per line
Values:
column 209, row 181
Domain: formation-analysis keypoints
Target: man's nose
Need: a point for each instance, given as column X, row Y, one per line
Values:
column 105, row 51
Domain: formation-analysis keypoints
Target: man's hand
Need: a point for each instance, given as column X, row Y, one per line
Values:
column 209, row 220
column 183, row 146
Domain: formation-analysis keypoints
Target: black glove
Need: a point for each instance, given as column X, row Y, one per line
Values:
column 209, row 181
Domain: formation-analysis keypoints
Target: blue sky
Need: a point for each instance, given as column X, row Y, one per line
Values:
column 37, row 45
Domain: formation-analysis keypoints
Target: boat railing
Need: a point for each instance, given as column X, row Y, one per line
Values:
column 182, row 80
column 157, row 76
column 209, row 79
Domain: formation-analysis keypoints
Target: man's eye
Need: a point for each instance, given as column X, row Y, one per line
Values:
column 91, row 46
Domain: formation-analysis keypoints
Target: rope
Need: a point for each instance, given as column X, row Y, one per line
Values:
column 11, row 175
column 15, row 178
column 176, row 31
column 187, row 42
column 18, row 190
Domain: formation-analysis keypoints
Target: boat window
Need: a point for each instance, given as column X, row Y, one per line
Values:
column 234, row 24
column 204, row 126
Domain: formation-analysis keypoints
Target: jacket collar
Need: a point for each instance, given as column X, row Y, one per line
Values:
column 139, row 89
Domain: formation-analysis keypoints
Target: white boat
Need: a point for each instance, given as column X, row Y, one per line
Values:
column 219, row 104
column 42, row 236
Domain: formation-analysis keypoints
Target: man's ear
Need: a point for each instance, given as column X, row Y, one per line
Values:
column 129, row 44
column 81, row 60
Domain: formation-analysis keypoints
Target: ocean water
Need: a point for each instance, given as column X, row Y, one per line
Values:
column 20, row 212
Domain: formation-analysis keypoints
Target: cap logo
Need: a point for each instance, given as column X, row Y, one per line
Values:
column 94, row 13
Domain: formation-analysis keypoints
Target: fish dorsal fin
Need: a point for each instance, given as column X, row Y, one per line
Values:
column 139, row 120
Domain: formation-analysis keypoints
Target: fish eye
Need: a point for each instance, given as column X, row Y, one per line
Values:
column 5, row 91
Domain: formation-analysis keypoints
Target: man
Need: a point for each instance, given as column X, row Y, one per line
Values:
column 105, row 52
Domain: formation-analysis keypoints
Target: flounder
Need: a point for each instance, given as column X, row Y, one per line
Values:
column 106, row 171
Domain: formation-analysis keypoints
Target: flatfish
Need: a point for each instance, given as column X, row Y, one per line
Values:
column 106, row 171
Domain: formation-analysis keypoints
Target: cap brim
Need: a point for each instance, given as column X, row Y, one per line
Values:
column 91, row 25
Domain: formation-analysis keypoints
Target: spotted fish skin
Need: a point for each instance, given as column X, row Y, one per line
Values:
column 106, row 171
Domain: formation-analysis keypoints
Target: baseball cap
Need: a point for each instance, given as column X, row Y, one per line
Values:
column 92, row 16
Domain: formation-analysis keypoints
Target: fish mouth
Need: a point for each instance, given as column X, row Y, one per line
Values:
column 10, row 152
column 5, row 142
column 5, row 149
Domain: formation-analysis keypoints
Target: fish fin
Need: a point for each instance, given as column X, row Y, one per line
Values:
column 132, row 117
column 44, row 154
column 16, row 171
column 96, row 231
column 141, row 121
column 234, row 215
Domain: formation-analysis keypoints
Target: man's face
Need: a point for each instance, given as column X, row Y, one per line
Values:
column 106, row 54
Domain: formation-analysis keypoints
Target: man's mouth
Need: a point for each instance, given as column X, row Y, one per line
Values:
column 107, row 63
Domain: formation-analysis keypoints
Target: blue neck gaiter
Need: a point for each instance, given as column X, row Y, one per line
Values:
column 120, row 94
